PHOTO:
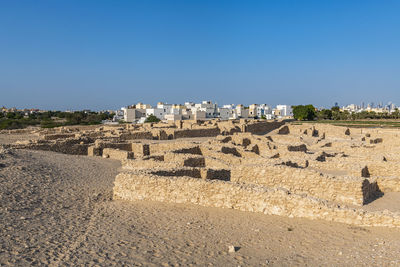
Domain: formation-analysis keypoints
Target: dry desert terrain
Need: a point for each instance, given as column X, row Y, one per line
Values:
column 60, row 209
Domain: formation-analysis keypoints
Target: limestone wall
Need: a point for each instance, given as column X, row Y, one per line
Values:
column 140, row 164
column 255, row 198
column 205, row 132
column 387, row 174
column 388, row 184
column 58, row 136
column 187, row 160
column 140, row 149
column 20, row 131
column 177, row 172
column 217, row 157
column 69, row 146
column 98, row 147
column 136, row 135
column 329, row 130
column 117, row 154
column 261, row 127
column 94, row 151
column 157, row 148
column 121, row 146
column 387, row 169
column 351, row 190
column 167, row 169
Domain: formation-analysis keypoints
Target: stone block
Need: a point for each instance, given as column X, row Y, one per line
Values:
column 117, row 154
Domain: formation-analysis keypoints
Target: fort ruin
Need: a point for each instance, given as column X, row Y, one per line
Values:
column 313, row 171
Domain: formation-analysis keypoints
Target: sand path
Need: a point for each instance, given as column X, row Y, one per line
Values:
column 57, row 210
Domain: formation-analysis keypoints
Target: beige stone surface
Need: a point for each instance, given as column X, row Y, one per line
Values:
column 117, row 154
column 312, row 161
column 138, row 186
column 57, row 210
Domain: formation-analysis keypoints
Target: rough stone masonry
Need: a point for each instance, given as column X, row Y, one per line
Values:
column 314, row 171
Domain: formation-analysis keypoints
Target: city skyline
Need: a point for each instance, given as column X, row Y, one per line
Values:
column 360, row 104
column 366, row 104
column 352, row 107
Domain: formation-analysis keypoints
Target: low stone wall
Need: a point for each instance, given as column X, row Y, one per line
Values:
column 19, row 131
column 94, row 151
column 140, row 164
column 242, row 139
column 69, row 146
column 94, row 135
column 177, row 172
column 387, row 174
column 117, row 154
column 215, row 174
column 231, row 150
column 191, row 133
column 97, row 149
column 216, row 162
column 255, row 198
column 136, row 135
column 186, row 160
column 194, row 150
column 217, row 158
column 262, row 127
column 58, row 136
column 121, row 146
column 140, row 150
column 157, row 148
column 389, row 184
column 351, row 190
column 328, row 130
column 387, row 169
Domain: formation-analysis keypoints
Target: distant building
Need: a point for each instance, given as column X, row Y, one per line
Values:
column 224, row 113
column 285, row 110
column 173, row 117
column 242, row 112
column 199, row 111
column 264, row 110
column 132, row 114
column 208, row 107
column 253, row 110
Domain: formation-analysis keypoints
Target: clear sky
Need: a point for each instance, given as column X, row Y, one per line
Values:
column 68, row 54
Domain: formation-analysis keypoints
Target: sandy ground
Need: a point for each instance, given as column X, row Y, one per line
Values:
column 389, row 201
column 57, row 210
column 12, row 138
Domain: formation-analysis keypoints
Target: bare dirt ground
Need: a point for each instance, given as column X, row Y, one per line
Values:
column 57, row 210
column 389, row 201
column 9, row 138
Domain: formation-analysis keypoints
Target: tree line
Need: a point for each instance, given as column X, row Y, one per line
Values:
column 309, row 112
column 50, row 119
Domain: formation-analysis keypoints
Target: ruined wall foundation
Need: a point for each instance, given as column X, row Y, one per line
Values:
column 314, row 171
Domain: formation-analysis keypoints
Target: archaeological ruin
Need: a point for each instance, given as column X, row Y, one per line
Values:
column 314, row 171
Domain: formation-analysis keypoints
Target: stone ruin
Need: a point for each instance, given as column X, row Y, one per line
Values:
column 280, row 168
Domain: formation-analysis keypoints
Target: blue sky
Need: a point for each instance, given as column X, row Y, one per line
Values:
column 107, row 54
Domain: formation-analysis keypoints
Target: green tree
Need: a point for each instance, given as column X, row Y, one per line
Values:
column 325, row 114
column 396, row 114
column 303, row 113
column 336, row 115
column 335, row 109
column 11, row 115
column 152, row 118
